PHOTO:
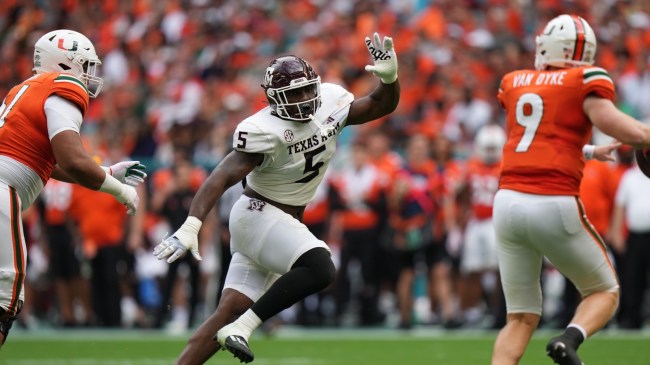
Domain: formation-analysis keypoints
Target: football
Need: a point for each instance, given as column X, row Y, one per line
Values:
column 643, row 160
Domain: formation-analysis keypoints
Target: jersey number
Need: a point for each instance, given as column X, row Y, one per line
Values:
column 310, row 168
column 528, row 113
column 242, row 140
column 4, row 109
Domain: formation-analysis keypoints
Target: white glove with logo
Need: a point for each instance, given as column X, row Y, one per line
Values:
column 128, row 172
column 186, row 238
column 384, row 58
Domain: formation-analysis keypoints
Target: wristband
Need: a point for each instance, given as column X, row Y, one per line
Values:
column 111, row 185
column 588, row 151
column 192, row 224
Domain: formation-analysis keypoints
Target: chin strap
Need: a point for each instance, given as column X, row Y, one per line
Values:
column 324, row 130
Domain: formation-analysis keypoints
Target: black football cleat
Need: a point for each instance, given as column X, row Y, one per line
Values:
column 5, row 326
column 238, row 346
column 562, row 352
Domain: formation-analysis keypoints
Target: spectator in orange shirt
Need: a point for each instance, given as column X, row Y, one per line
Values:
column 411, row 213
column 101, row 222
column 357, row 191
column 65, row 263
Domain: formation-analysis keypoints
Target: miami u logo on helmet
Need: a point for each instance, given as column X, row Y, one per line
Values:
column 61, row 46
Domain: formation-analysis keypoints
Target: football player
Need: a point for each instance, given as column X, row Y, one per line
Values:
column 479, row 254
column 550, row 113
column 40, row 120
column 282, row 151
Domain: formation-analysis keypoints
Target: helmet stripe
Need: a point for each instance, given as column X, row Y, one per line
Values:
column 580, row 38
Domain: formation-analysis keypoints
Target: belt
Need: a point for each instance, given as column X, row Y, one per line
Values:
column 293, row 210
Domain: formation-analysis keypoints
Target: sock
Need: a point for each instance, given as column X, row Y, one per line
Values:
column 575, row 333
column 249, row 321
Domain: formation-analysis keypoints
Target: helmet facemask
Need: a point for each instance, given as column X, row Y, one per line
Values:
column 297, row 101
column 89, row 77
column 292, row 88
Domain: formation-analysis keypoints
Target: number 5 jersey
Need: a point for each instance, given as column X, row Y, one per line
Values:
column 296, row 154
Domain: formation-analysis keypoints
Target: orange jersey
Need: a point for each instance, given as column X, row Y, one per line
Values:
column 388, row 165
column 100, row 217
column 358, row 190
column 162, row 177
column 547, row 127
column 597, row 195
column 444, row 180
column 23, row 124
column 483, row 181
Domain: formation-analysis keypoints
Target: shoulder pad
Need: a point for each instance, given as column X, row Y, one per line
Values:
column 71, row 88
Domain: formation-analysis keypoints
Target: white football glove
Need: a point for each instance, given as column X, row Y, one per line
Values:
column 184, row 239
column 384, row 58
column 124, row 194
column 129, row 197
column 128, row 172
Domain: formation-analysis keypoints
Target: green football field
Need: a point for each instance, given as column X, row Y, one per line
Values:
column 309, row 347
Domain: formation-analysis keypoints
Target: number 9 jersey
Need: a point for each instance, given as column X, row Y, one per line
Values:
column 296, row 154
column 547, row 127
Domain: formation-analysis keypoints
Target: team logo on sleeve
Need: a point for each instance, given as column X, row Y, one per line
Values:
column 256, row 204
column 288, row 135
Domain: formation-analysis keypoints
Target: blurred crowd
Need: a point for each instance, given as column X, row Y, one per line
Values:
column 399, row 200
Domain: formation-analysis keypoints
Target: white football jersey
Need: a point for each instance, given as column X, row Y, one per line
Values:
column 296, row 154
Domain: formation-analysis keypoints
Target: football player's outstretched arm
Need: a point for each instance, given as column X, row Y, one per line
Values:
column 384, row 98
column 230, row 171
column 613, row 122
column 74, row 163
column 233, row 169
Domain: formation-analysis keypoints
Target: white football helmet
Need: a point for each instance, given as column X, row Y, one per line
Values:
column 69, row 52
column 489, row 143
column 567, row 41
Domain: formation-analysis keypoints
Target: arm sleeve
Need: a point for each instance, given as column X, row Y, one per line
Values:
column 62, row 115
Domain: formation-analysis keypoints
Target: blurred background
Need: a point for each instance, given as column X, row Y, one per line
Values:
column 399, row 201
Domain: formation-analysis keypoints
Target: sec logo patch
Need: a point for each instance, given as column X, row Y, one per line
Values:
column 288, row 135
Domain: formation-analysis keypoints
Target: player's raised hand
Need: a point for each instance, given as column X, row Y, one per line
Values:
column 176, row 246
column 128, row 172
column 384, row 58
column 606, row 152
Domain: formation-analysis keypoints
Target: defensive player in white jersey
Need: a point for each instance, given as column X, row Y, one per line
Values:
column 282, row 151
column 40, row 120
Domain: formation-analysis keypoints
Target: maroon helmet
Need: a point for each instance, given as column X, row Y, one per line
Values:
column 292, row 88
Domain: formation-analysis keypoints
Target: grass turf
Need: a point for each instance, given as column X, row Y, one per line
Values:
column 299, row 347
